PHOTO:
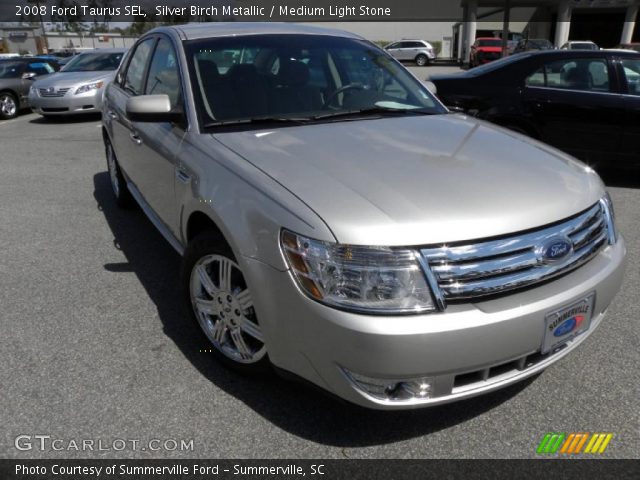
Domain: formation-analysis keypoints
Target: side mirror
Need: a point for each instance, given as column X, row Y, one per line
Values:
column 29, row 76
column 151, row 108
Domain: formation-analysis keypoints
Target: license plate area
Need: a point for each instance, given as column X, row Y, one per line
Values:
column 567, row 322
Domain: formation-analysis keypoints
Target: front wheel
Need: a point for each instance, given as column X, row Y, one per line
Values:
column 220, row 302
column 422, row 60
column 8, row 106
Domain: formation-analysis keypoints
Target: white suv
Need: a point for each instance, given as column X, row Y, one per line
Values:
column 417, row 51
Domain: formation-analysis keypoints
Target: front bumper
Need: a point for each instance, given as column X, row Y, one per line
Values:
column 467, row 350
column 69, row 104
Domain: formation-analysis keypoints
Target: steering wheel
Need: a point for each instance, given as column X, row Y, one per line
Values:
column 344, row 88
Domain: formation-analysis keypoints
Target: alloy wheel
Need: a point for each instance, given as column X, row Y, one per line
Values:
column 224, row 309
column 8, row 105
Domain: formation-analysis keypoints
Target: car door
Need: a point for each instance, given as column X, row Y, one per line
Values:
column 576, row 105
column 129, row 81
column 404, row 52
column 629, row 69
column 155, row 145
column 394, row 50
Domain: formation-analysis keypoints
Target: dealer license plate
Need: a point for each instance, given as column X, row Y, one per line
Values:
column 566, row 323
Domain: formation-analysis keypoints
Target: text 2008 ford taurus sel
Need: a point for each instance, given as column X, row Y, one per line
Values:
column 336, row 222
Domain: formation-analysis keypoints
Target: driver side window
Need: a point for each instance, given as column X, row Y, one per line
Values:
column 164, row 77
column 134, row 80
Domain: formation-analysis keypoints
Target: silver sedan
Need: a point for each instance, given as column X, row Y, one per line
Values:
column 337, row 223
column 78, row 87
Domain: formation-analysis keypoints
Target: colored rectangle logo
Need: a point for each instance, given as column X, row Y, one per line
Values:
column 574, row 443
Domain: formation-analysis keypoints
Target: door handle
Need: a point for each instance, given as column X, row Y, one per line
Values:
column 135, row 138
column 112, row 114
column 183, row 176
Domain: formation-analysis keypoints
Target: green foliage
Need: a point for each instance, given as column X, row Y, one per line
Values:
column 437, row 46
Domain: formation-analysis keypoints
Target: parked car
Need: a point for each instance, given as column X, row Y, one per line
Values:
column 485, row 50
column 528, row 44
column 16, row 77
column 337, row 223
column 418, row 51
column 78, row 87
column 586, row 103
column 580, row 45
column 57, row 62
column 629, row 46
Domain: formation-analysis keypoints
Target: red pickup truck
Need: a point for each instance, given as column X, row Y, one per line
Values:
column 485, row 50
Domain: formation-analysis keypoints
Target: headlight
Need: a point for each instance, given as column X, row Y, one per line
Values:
column 610, row 217
column 365, row 279
column 89, row 87
column 33, row 90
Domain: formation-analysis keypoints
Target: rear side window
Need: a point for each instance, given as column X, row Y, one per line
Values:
column 587, row 74
column 631, row 69
column 163, row 73
column 134, row 80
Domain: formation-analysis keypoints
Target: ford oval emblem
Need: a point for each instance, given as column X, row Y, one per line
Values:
column 555, row 249
column 566, row 327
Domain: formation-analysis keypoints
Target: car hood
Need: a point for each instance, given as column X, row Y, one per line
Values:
column 489, row 49
column 420, row 180
column 71, row 79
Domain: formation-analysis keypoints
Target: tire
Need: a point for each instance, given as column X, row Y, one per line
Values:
column 220, row 303
column 9, row 106
column 422, row 60
column 119, row 187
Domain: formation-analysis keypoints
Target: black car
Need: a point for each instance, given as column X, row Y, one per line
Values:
column 586, row 103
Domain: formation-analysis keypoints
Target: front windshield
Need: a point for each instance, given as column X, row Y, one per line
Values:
column 10, row 69
column 298, row 76
column 490, row 43
column 584, row 46
column 93, row 62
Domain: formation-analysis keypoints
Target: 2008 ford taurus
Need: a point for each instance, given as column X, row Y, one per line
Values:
column 337, row 223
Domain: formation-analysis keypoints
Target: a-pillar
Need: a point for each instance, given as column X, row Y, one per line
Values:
column 629, row 23
column 563, row 24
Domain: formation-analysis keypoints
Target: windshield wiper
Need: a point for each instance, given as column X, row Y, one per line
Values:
column 373, row 110
column 257, row 121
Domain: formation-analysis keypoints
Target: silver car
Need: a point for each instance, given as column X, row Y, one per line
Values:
column 79, row 86
column 418, row 51
column 338, row 224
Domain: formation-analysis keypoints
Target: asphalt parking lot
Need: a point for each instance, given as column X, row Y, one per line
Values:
column 95, row 344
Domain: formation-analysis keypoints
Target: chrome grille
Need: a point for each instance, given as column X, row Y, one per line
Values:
column 60, row 92
column 491, row 267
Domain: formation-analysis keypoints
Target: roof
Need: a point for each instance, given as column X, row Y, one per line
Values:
column 195, row 31
column 103, row 50
column 582, row 53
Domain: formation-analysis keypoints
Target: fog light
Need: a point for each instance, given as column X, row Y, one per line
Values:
column 392, row 389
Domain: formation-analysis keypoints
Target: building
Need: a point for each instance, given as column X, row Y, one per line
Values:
column 606, row 22
column 20, row 39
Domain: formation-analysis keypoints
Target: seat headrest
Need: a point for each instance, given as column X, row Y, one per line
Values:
column 208, row 68
column 243, row 72
column 293, row 73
